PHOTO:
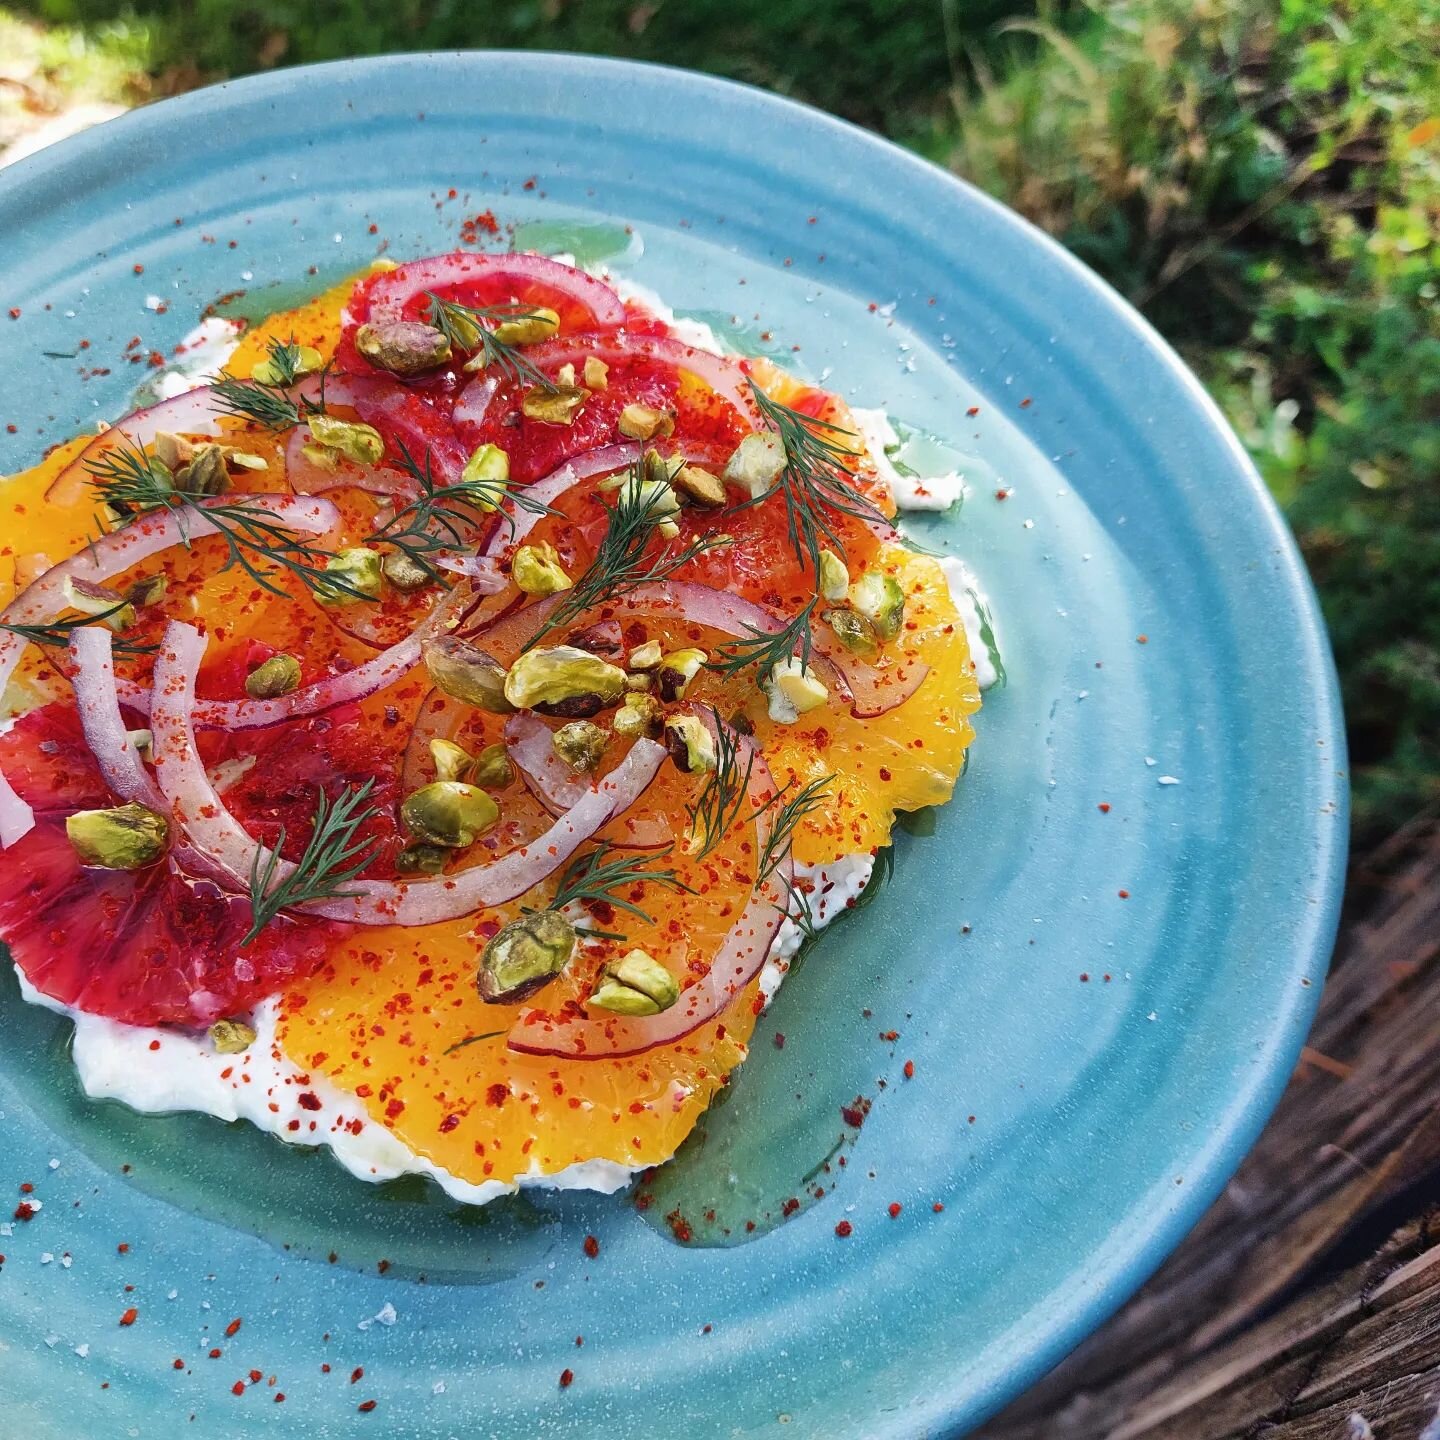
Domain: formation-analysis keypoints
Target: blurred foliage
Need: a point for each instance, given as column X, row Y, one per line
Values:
column 1261, row 177
column 1263, row 180
column 880, row 62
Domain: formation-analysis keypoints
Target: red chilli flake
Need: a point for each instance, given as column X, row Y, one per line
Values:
column 1103, row 807
column 937, row 1207
column 24, row 1211
column 895, row 1208
column 844, row 1229
column 358, row 1373
column 130, row 1316
column 177, row 1364
column 215, row 1353
column 592, row 1246
column 366, row 1406
column 233, row 1328
column 909, row 1069
column 238, row 1388
column 26, row 1188
column 567, row 1379
column 1123, row 894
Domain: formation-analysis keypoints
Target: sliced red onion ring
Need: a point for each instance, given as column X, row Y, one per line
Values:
column 196, row 806
column 192, row 413
column 474, row 402
column 484, row 574
column 736, row 964
column 305, row 477
column 44, row 598
column 517, row 523
column 98, row 704
column 390, row 294
column 722, row 375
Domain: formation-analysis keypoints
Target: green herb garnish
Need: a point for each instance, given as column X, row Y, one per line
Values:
column 767, row 648
column 721, row 799
column 58, row 632
column 469, row 329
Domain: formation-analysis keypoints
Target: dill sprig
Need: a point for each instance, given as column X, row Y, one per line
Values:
column 596, row 876
column 130, row 482
column 333, row 856
column 431, row 522
column 58, row 632
column 816, row 483
column 268, row 403
column 621, row 562
column 767, row 648
column 473, row 1040
column 718, row 805
column 470, row 329
column 786, row 819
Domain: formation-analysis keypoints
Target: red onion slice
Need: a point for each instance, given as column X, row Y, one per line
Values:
column 191, row 413
column 98, row 704
column 390, row 294
column 484, row 575
column 196, row 806
column 17, row 819
column 739, row 960
column 474, row 402
column 305, row 477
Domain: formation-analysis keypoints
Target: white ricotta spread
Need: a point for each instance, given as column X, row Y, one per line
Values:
column 158, row 1071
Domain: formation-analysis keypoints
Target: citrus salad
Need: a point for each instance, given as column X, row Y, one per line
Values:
column 432, row 736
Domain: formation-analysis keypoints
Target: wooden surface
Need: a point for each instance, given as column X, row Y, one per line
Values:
column 1306, row 1303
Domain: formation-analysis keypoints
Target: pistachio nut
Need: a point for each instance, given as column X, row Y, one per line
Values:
column 278, row 675
column 640, row 683
column 526, row 954
column 538, row 323
column 596, row 374
column 149, row 591
column 581, row 745
column 231, row 1037
column 348, row 438
column 756, row 463
column 792, row 689
column 243, row 460
column 405, row 572
column 358, row 568
column 640, row 715
column 565, row 375
column 637, row 984
column 565, row 680
column 604, row 638
column 403, row 347
column 690, row 744
column 558, row 406
column 834, row 578
column 127, row 837
column 465, row 672
column 422, row 860
column 206, row 473
column 645, row 422
column 646, row 656
column 449, row 813
column 306, row 361
column 677, row 670
column 140, row 741
column 699, row 486
column 91, row 599
column 654, row 498
column 536, row 570
column 487, row 469
column 451, row 761
column 172, row 451
column 493, row 769
column 853, row 631
column 881, row 601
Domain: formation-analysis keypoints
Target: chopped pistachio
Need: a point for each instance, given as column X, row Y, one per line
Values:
column 231, row 1037
column 449, row 813
column 493, row 769
column 91, row 599
column 422, row 859
column 243, row 460
column 677, row 670
column 792, row 690
column 206, row 473
column 699, row 486
column 536, row 570
column 834, row 577
column 645, row 422
column 646, row 656
column 597, row 374
column 639, row 715
column 527, row 954
column 307, row 361
column 555, row 407
column 581, row 745
column 405, row 572
column 465, row 672
column 359, row 568
column 640, row 683
column 637, row 984
column 147, row 591
column 452, row 761
column 278, row 675
column 655, row 495
column 573, row 680
column 361, row 443
column 690, row 744
column 172, row 451
column 853, row 631
column 488, row 468
column 881, row 601
column 403, row 347
column 565, row 375
column 756, row 464
column 127, row 837
column 140, row 741
column 540, row 323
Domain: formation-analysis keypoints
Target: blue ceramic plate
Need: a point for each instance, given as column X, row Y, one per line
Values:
column 1073, row 1128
